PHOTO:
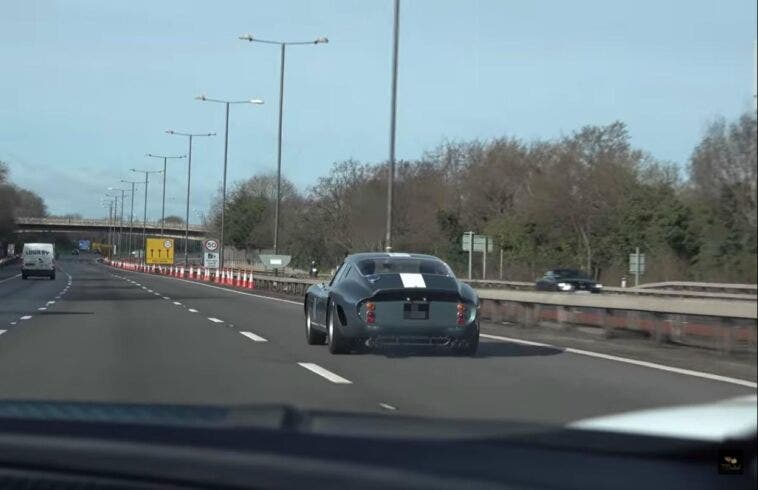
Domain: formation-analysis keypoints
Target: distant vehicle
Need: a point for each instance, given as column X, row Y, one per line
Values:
column 377, row 299
column 38, row 259
column 75, row 251
column 567, row 280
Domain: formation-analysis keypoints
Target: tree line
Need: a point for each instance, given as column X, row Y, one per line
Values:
column 15, row 202
column 585, row 200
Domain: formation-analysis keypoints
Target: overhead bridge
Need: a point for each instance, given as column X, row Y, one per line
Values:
column 72, row 225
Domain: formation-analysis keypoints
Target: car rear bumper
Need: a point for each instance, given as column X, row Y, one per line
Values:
column 446, row 335
column 37, row 272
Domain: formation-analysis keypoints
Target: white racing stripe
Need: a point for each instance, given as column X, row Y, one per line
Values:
column 325, row 373
column 253, row 337
column 626, row 360
column 412, row 280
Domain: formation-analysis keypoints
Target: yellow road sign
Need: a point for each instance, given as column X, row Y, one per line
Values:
column 159, row 251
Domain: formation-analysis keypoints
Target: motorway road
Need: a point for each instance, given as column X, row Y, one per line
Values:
column 111, row 335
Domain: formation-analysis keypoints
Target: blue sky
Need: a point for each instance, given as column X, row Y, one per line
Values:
column 87, row 88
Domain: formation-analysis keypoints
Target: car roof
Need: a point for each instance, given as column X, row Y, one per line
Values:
column 384, row 255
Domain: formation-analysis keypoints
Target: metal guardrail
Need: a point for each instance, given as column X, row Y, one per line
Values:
column 700, row 286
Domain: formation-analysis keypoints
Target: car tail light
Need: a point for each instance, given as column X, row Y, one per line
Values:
column 370, row 313
column 461, row 314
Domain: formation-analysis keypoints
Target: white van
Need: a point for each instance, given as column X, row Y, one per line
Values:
column 38, row 259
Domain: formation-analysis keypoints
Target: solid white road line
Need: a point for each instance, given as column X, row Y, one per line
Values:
column 215, row 320
column 325, row 373
column 9, row 278
column 192, row 310
column 25, row 317
column 652, row 365
column 253, row 337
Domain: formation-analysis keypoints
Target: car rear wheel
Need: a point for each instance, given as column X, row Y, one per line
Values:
column 312, row 336
column 337, row 343
column 471, row 346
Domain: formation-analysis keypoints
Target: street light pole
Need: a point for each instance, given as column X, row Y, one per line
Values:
column 227, row 103
column 189, row 175
column 131, row 214
column 144, row 218
column 393, row 117
column 282, row 45
column 163, row 205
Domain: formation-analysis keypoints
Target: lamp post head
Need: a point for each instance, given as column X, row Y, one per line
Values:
column 321, row 40
column 247, row 37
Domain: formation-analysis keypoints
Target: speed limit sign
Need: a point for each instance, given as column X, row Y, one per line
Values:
column 211, row 245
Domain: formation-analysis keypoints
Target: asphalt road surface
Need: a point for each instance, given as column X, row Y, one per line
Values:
column 101, row 334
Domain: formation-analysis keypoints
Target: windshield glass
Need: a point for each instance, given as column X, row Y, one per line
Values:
column 405, row 265
column 570, row 274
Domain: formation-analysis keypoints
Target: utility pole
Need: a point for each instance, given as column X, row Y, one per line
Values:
column 393, row 118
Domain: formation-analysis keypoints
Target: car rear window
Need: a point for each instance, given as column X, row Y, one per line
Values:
column 403, row 265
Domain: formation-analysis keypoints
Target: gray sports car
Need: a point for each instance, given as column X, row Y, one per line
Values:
column 378, row 298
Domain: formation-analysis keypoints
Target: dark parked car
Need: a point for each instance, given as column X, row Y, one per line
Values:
column 377, row 299
column 567, row 280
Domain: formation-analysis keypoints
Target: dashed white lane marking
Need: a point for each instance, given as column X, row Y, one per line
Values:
column 157, row 294
column 652, row 365
column 2, row 331
column 253, row 337
column 215, row 320
column 192, row 310
column 166, row 298
column 387, row 406
column 177, row 303
column 51, row 302
column 144, row 287
column 298, row 303
column 325, row 373
column 41, row 308
column 25, row 317
column 150, row 291
column 13, row 323
column 12, row 277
